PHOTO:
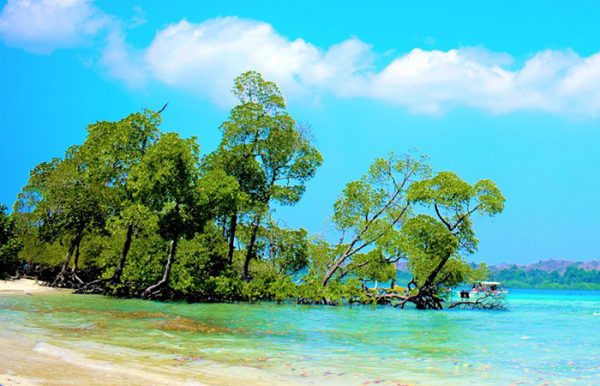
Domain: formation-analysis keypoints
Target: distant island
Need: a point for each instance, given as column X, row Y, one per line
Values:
column 549, row 274
column 544, row 274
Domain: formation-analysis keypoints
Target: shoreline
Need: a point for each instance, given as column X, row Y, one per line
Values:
column 14, row 379
column 27, row 363
column 31, row 360
column 26, row 286
column 56, row 339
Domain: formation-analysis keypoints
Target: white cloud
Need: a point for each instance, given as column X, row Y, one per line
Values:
column 205, row 57
column 122, row 61
column 43, row 26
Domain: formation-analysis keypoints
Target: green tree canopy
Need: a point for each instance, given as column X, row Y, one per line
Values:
column 269, row 154
column 112, row 150
column 66, row 202
column 9, row 243
column 368, row 215
column 437, row 244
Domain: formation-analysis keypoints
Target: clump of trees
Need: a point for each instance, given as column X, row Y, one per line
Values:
column 572, row 278
column 136, row 212
column 9, row 243
column 385, row 217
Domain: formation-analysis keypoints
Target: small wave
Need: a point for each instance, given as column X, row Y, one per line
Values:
column 77, row 359
column 71, row 357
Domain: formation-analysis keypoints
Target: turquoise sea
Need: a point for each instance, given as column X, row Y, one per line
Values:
column 544, row 338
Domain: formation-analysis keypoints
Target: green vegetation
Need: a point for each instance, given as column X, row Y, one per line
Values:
column 572, row 278
column 9, row 243
column 135, row 212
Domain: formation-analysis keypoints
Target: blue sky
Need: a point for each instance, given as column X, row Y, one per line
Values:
column 503, row 90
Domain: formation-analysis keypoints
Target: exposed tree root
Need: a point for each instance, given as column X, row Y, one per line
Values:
column 488, row 302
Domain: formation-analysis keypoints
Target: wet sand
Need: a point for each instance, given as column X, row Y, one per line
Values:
column 29, row 361
column 36, row 363
column 15, row 380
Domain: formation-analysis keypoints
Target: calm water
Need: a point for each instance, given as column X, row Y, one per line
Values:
column 546, row 337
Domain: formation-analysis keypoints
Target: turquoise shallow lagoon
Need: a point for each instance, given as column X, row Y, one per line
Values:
column 545, row 338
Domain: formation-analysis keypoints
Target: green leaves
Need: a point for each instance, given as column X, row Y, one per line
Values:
column 151, row 190
column 10, row 244
column 112, row 149
column 445, row 190
column 380, row 222
column 62, row 197
column 489, row 196
column 262, row 146
column 448, row 193
column 166, row 181
column 428, row 243
column 271, row 156
column 250, row 87
column 436, row 242
column 369, row 212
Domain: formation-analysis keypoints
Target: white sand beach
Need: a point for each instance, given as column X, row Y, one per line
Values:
column 22, row 285
column 6, row 380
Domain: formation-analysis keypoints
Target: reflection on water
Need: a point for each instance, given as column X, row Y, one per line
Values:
column 547, row 337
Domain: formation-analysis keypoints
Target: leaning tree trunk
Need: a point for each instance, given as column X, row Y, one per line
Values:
column 427, row 297
column 116, row 278
column 99, row 286
column 74, row 245
column 74, row 268
column 232, row 229
column 75, row 261
column 334, row 268
column 154, row 289
column 250, row 251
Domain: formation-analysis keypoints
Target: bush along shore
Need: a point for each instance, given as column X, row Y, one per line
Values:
column 137, row 212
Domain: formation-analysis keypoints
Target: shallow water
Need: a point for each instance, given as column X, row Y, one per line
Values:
column 546, row 337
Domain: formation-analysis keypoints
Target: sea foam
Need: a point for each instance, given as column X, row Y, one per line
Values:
column 81, row 360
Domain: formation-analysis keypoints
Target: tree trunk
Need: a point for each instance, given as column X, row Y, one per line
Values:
column 75, row 261
column 250, row 251
column 153, row 289
column 128, row 236
column 74, row 245
column 232, row 229
column 427, row 296
column 433, row 275
column 74, row 268
column 333, row 269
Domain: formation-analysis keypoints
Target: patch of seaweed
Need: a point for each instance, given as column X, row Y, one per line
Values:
column 180, row 323
column 136, row 314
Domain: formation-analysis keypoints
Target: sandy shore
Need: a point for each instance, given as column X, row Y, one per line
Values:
column 15, row 380
column 28, row 363
column 21, row 286
column 29, row 360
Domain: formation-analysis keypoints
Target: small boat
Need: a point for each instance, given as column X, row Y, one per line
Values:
column 482, row 289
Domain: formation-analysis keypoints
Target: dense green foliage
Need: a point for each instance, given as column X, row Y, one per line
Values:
column 572, row 278
column 9, row 243
column 137, row 212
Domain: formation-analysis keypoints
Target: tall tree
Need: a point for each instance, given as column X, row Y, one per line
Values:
column 9, row 242
column 66, row 202
column 437, row 243
column 270, row 155
column 168, row 182
column 113, row 150
column 368, row 215
column 285, row 250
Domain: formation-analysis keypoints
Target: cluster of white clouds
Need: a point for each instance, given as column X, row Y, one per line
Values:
column 43, row 26
column 204, row 58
